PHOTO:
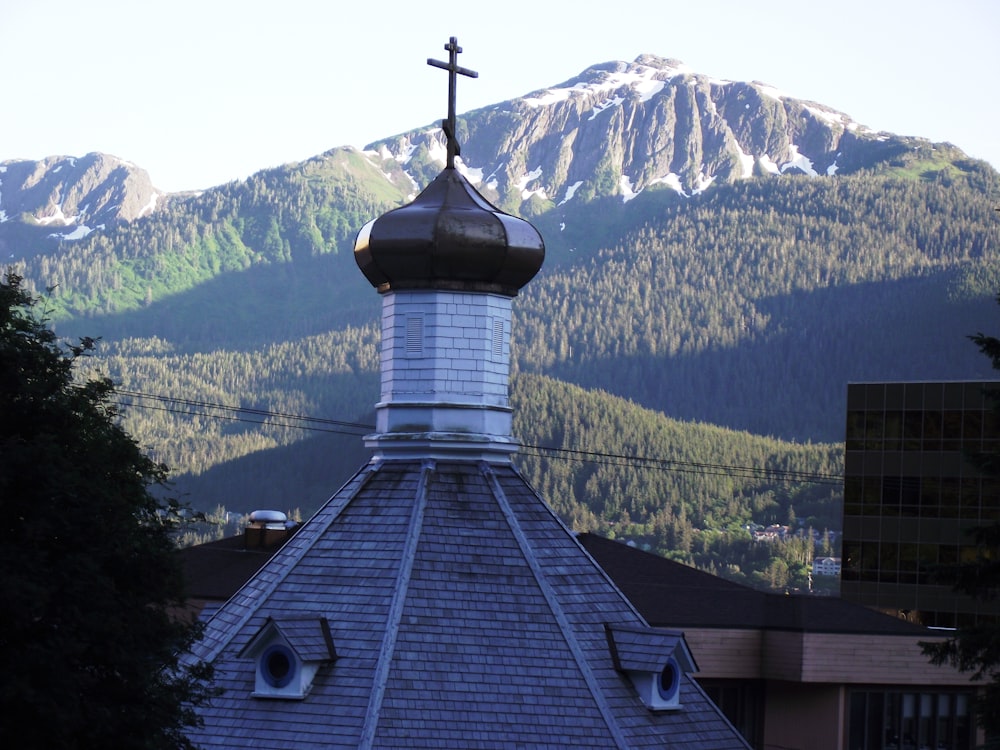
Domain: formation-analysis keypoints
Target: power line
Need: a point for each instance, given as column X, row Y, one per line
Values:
column 694, row 467
column 242, row 410
column 234, row 418
column 336, row 426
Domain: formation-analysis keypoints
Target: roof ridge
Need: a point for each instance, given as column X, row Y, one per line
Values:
column 575, row 537
column 395, row 614
column 565, row 626
column 274, row 571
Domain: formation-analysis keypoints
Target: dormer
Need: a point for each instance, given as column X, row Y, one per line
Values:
column 654, row 660
column 287, row 653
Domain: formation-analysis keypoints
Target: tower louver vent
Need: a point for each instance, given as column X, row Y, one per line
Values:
column 497, row 339
column 415, row 335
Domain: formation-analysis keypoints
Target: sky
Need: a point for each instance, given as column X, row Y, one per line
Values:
column 201, row 92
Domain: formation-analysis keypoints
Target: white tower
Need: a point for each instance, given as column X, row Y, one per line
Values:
column 448, row 265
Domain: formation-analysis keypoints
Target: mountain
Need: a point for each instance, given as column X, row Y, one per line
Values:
column 721, row 261
column 622, row 128
column 64, row 198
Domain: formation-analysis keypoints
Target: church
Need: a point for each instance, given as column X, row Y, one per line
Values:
column 436, row 600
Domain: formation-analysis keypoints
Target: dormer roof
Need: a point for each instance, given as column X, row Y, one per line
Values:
column 308, row 636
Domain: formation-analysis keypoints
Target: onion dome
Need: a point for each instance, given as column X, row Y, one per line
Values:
column 451, row 238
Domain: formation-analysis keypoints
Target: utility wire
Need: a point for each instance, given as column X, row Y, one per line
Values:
column 234, row 418
column 692, row 467
column 319, row 424
column 242, row 410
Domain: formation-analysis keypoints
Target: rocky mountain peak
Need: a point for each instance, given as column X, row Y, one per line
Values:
column 72, row 196
column 620, row 128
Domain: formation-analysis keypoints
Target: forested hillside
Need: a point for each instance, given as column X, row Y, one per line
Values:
column 273, row 228
column 742, row 312
column 753, row 305
column 680, row 363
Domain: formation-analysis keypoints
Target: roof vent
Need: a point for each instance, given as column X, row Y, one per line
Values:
column 287, row 653
column 267, row 528
column 654, row 660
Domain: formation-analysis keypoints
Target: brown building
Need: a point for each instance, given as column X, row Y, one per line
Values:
column 807, row 672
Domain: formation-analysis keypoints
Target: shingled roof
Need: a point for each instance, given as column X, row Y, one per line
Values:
column 462, row 612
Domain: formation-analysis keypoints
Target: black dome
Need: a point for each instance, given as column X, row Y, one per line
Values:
column 449, row 237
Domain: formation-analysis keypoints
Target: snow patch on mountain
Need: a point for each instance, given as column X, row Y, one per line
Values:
column 473, row 174
column 798, row 161
column 747, row 161
column 491, row 180
column 438, row 152
column 570, row 192
column 149, row 207
column 702, row 182
column 522, row 185
column 77, row 234
column 628, row 192
column 605, row 105
column 57, row 217
column 768, row 165
column 672, row 181
column 645, row 81
column 769, row 91
column 648, row 89
column 827, row 115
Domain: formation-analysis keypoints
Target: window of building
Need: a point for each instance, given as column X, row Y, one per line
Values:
column 742, row 701
column 893, row 720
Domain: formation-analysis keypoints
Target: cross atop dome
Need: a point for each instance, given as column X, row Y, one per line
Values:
column 453, row 69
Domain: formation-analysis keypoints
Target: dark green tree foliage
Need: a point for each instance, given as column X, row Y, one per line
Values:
column 694, row 501
column 87, row 571
column 976, row 648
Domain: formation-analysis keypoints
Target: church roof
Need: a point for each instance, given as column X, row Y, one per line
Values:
column 436, row 601
column 460, row 612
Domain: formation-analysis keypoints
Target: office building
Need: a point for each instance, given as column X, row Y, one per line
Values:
column 912, row 492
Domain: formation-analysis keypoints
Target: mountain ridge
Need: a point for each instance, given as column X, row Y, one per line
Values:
column 729, row 130
column 619, row 128
column 747, row 301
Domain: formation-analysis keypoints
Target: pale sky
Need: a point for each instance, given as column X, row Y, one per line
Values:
column 200, row 92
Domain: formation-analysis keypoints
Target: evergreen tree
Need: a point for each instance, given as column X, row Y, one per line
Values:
column 87, row 565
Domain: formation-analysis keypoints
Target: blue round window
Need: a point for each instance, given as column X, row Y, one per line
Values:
column 670, row 681
column 277, row 665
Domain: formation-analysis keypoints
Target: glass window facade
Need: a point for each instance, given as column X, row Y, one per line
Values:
column 896, row 720
column 911, row 493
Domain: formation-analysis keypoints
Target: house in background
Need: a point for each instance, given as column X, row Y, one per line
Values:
column 826, row 566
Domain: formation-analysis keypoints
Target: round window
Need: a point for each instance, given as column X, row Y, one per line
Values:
column 277, row 665
column 670, row 681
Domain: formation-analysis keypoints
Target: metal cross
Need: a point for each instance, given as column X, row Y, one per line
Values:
column 453, row 68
